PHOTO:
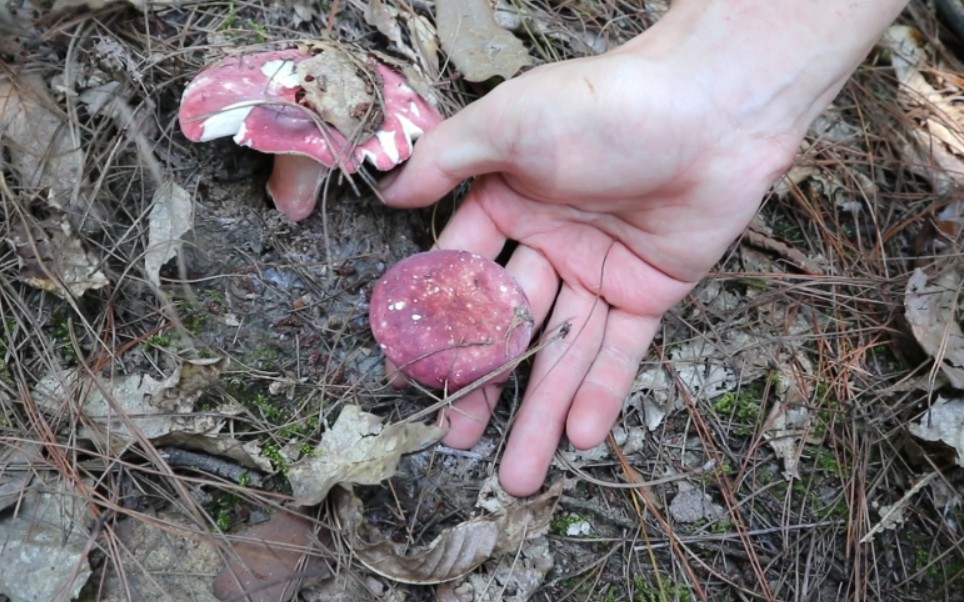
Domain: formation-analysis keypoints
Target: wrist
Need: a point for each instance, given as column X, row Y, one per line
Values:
column 774, row 65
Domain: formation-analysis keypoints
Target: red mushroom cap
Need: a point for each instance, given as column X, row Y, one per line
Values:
column 256, row 99
column 447, row 318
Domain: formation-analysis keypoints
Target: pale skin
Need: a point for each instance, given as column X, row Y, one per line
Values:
column 624, row 178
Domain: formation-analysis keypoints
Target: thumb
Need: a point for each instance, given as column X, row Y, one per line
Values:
column 457, row 149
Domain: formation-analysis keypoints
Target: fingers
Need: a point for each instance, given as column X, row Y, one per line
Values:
column 469, row 416
column 456, row 150
column 471, row 229
column 600, row 399
column 558, row 371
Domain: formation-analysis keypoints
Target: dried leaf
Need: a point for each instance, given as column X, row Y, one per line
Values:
column 703, row 367
column 892, row 515
column 271, row 561
column 408, row 33
column 943, row 422
column 154, row 407
column 43, row 544
column 358, row 448
column 42, row 150
column 935, row 148
column 515, row 577
column 933, row 310
column 457, row 550
column 534, row 22
column 691, row 505
column 16, row 470
column 789, row 426
column 165, row 560
column 172, row 215
column 341, row 90
column 53, row 258
column 475, row 43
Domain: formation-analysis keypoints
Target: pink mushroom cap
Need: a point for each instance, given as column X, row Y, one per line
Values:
column 447, row 318
column 256, row 99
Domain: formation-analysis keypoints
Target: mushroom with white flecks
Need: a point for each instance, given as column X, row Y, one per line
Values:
column 315, row 108
column 447, row 318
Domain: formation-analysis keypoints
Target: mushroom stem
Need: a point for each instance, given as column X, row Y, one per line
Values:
column 295, row 183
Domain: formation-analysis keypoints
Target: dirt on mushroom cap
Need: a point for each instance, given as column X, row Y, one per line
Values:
column 447, row 318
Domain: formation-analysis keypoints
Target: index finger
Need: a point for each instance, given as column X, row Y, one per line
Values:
column 456, row 150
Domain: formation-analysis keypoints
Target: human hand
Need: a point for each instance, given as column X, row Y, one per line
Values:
column 623, row 178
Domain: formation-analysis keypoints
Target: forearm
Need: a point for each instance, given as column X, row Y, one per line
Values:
column 779, row 61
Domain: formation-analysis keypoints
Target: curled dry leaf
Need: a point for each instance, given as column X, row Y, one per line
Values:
column 358, row 448
column 478, row 47
column 943, row 422
column 172, row 215
column 514, row 578
column 456, row 551
column 409, row 33
column 933, row 309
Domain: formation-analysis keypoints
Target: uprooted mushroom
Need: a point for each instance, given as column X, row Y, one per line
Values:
column 447, row 318
column 315, row 107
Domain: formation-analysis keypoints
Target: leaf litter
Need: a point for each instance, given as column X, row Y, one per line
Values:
column 478, row 47
column 120, row 410
column 934, row 307
column 457, row 550
column 44, row 543
column 943, row 422
column 172, row 216
column 357, row 449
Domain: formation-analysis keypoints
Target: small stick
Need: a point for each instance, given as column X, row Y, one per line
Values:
column 176, row 456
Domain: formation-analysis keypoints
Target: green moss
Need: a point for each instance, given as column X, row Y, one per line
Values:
column 755, row 283
column 826, row 461
column 787, row 229
column 674, row 592
column 560, row 524
column 159, row 341
column 223, row 519
column 231, row 20
column 742, row 407
column 278, row 461
column 222, row 509
column 60, row 333
column 269, row 411
column 723, row 527
column 266, row 358
column 261, row 35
